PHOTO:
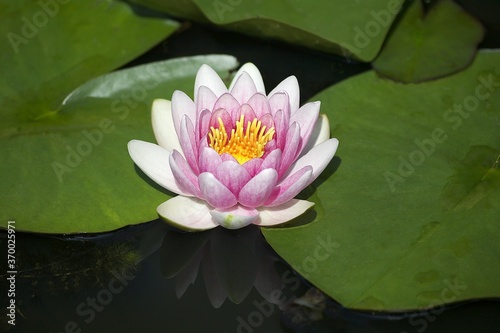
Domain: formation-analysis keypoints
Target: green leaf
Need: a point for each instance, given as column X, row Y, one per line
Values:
column 51, row 47
column 353, row 29
column 70, row 172
column 409, row 219
column 427, row 46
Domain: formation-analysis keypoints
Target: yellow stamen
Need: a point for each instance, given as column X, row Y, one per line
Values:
column 243, row 146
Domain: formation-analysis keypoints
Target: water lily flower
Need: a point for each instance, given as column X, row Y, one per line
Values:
column 235, row 155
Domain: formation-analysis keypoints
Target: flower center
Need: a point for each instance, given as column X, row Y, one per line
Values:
column 242, row 145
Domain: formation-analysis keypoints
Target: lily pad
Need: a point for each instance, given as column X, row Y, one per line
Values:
column 52, row 47
column 427, row 46
column 70, row 171
column 353, row 29
column 409, row 219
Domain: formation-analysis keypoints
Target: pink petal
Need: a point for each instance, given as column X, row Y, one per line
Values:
column 223, row 115
column 318, row 157
column 153, row 160
column 188, row 214
column 207, row 77
column 281, row 128
column 244, row 88
column 290, row 187
column 235, row 217
column 232, row 175
column 254, row 73
column 283, row 213
column 258, row 189
column 216, row 194
column 270, row 146
column 291, row 86
column 182, row 106
column 280, row 101
column 205, row 99
column 267, row 120
column 209, row 160
column 306, row 117
column 227, row 157
column 291, row 147
column 188, row 143
column 183, row 174
column 247, row 111
column 272, row 160
column 163, row 125
column 253, row 166
column 228, row 103
column 203, row 124
column 259, row 104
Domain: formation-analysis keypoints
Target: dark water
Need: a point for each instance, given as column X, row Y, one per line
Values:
column 150, row 278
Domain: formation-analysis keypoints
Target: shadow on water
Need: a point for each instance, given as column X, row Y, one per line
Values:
column 233, row 279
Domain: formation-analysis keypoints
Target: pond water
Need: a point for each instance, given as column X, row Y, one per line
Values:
column 151, row 278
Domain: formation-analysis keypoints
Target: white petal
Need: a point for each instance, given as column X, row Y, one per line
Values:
column 153, row 160
column 254, row 73
column 291, row 86
column 244, row 88
column 207, row 77
column 318, row 157
column 182, row 106
column 163, row 125
column 185, row 213
column 321, row 133
column 235, row 217
column 283, row 213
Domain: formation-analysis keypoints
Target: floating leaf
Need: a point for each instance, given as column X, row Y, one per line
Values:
column 71, row 172
column 353, row 29
column 409, row 219
column 427, row 46
column 52, row 47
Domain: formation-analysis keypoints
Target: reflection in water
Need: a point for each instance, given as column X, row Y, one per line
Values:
column 104, row 283
column 94, row 269
column 232, row 261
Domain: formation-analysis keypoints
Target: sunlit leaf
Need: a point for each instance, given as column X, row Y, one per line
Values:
column 353, row 29
column 427, row 46
column 409, row 219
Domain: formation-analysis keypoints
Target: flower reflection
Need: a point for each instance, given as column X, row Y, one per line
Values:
column 232, row 263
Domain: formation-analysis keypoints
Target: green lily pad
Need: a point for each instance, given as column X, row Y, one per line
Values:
column 51, row 47
column 70, row 171
column 354, row 29
column 427, row 46
column 409, row 219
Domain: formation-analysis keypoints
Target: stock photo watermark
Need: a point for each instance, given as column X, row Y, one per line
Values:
column 33, row 23
column 452, row 290
column 453, row 116
column 277, row 298
column 363, row 35
column 224, row 6
column 11, row 273
column 93, row 138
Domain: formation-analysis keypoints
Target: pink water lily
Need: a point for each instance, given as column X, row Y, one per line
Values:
column 235, row 156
